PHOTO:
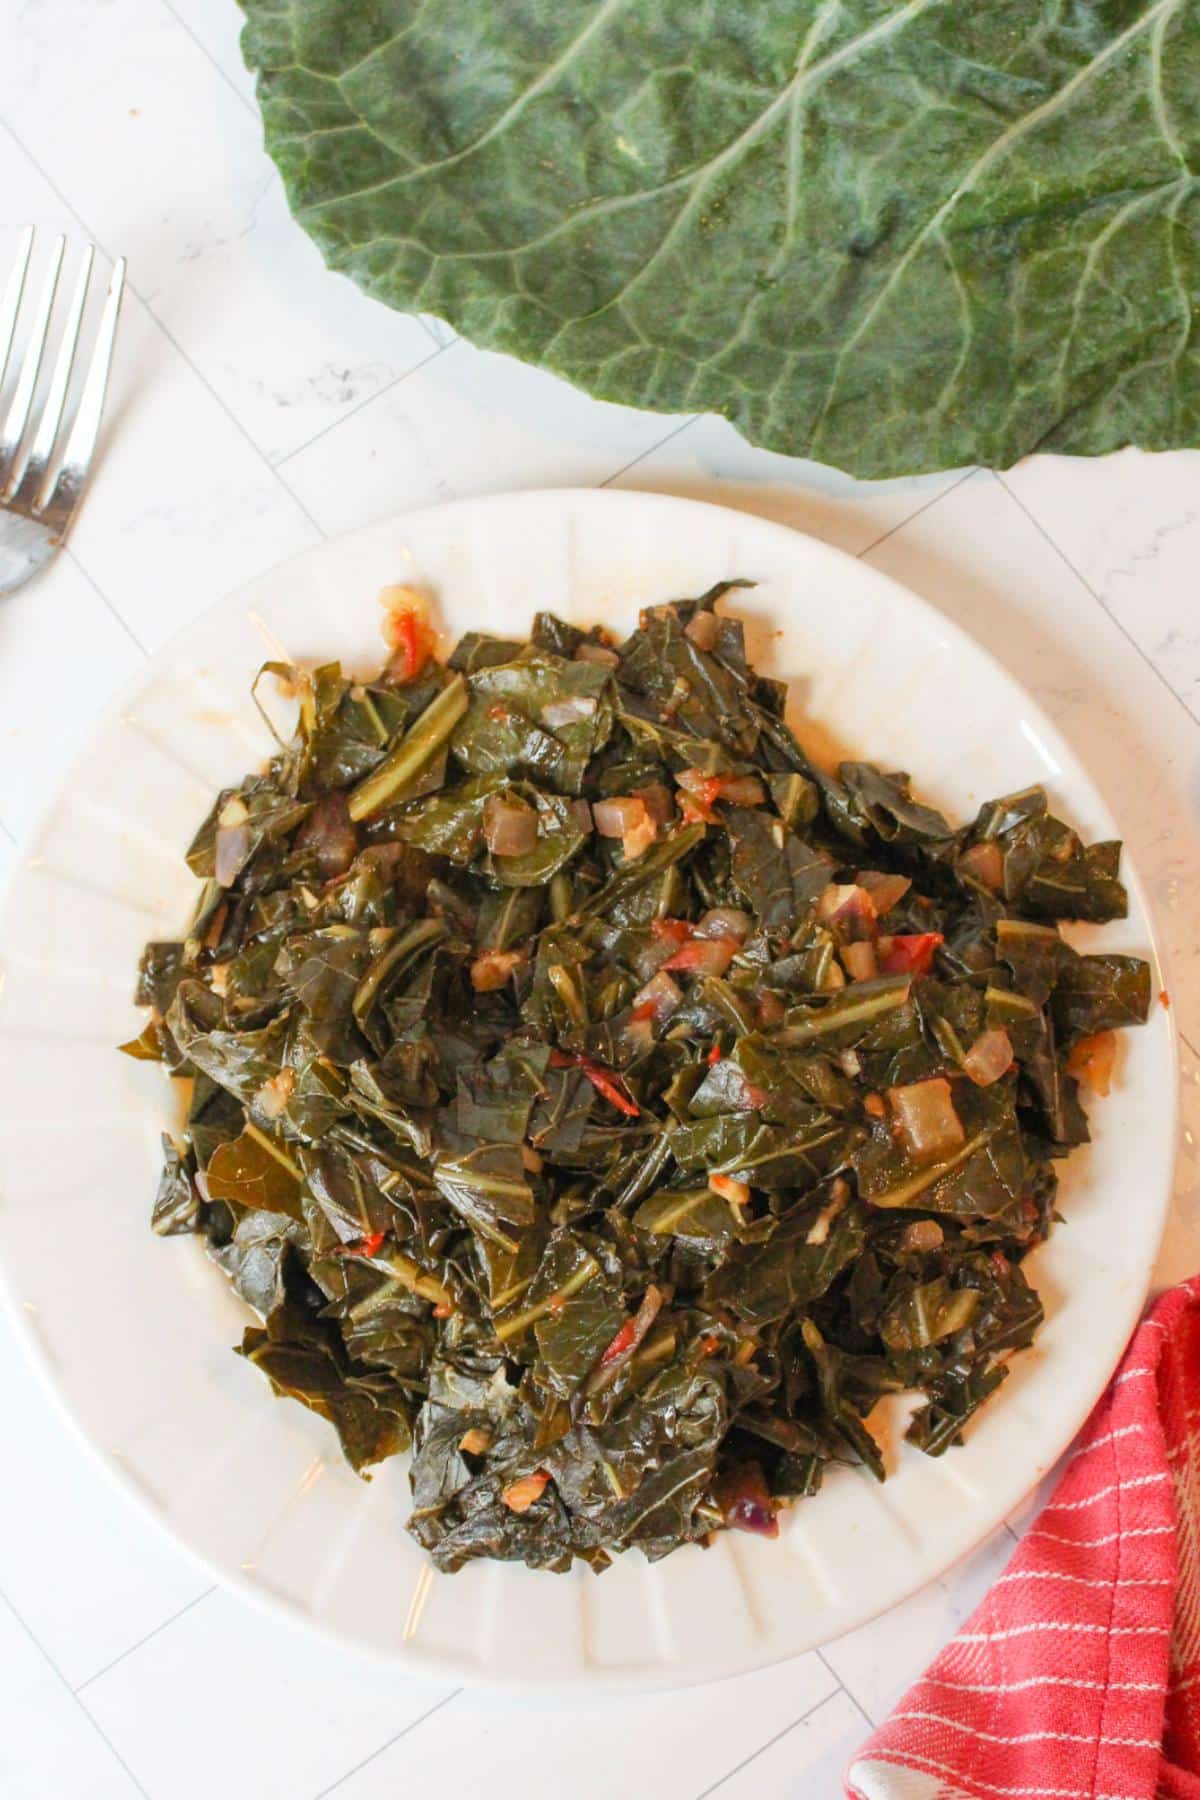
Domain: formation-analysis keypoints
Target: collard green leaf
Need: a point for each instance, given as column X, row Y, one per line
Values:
column 794, row 215
column 587, row 1166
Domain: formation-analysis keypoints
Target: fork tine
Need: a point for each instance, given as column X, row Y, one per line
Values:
column 86, row 429
column 18, row 413
column 11, row 304
column 56, row 397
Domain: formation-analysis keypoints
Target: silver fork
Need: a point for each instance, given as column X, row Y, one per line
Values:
column 37, row 503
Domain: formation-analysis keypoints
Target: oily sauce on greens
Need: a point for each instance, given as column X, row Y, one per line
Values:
column 593, row 1093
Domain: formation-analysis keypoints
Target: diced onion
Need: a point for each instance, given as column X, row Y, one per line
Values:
column 571, row 711
column 922, row 1235
column 492, row 969
column 858, row 960
column 599, row 654
column 986, row 863
column 701, row 956
column 702, row 628
column 639, row 837
column 885, row 890
column 924, row 1112
column 331, row 834
column 661, row 993
column 989, row 1057
column 725, row 921
column 741, row 790
column 509, row 826
column 617, row 816
column 658, row 801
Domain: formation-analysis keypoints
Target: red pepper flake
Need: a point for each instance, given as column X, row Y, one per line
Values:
column 671, row 931
column 708, row 1346
column 498, row 712
column 1164, row 999
column 556, row 1306
column 619, row 1345
column 645, row 1010
column 366, row 1246
column 605, row 1081
column 714, row 1056
column 606, row 1084
column 443, row 1310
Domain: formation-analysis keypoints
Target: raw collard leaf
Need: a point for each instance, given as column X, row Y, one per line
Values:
column 890, row 239
column 587, row 1167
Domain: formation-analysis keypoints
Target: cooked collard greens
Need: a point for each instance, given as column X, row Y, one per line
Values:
column 591, row 1092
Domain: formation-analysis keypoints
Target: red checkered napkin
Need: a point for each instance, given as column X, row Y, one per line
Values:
column 1078, row 1678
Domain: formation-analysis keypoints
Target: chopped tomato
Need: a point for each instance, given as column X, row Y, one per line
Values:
column 406, row 628
column 911, row 955
column 520, row 1496
column 671, row 931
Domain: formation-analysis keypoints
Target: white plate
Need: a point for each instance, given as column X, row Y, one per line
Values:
column 135, row 1332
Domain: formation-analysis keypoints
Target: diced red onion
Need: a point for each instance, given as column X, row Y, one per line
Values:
column 858, row 960
column 571, row 711
column 232, row 852
column 509, row 826
column 923, row 1234
column 986, row 863
column 885, row 890
column 658, row 801
column 599, row 654
column 663, row 994
column 850, row 910
column 702, row 628
column 701, row 956
column 617, row 816
column 745, row 1501
column 332, row 834
column 989, row 1057
column 741, row 790
column 725, row 921
column 928, row 1123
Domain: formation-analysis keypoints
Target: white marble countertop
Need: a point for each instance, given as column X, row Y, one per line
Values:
column 257, row 405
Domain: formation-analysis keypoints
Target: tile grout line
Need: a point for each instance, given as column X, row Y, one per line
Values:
column 130, row 633
column 394, row 1739
column 923, row 508
column 194, row 1601
column 251, row 105
column 854, row 1700
column 649, row 451
column 359, row 406
column 1097, row 597
column 88, row 1715
column 207, row 53
column 166, row 332
column 763, row 1747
